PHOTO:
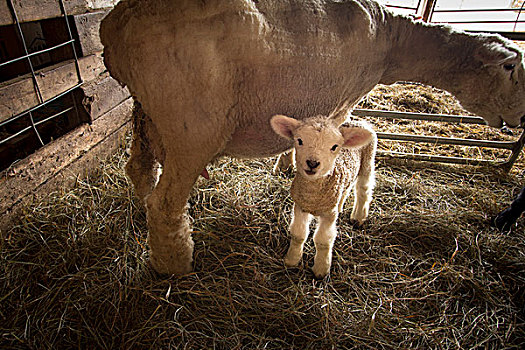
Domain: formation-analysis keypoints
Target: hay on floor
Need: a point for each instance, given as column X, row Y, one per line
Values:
column 426, row 272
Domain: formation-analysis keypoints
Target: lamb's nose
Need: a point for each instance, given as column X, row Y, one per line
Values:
column 312, row 164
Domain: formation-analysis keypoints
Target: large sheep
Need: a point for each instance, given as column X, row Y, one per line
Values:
column 210, row 74
column 330, row 161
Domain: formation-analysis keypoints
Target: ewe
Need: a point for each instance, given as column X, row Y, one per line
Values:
column 330, row 160
column 210, row 74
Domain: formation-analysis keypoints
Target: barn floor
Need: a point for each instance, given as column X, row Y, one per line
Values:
column 426, row 272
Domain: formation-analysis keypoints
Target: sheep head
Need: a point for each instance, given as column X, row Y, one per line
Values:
column 318, row 142
column 496, row 89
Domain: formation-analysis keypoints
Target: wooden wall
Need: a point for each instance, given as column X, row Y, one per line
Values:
column 108, row 105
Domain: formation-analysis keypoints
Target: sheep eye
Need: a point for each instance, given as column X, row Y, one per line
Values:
column 334, row 147
column 509, row 66
column 300, row 142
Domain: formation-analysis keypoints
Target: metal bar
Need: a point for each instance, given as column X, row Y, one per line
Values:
column 77, row 66
column 38, row 106
column 518, row 147
column 34, row 125
column 402, row 7
column 33, row 75
column 15, row 135
column 476, row 10
column 446, row 140
column 15, row 15
column 418, row 116
column 34, row 128
column 54, row 116
column 477, row 22
column 37, row 52
column 437, row 159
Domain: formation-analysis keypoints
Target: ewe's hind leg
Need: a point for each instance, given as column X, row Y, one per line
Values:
column 284, row 162
column 324, row 238
column 299, row 229
column 169, row 231
column 142, row 168
column 363, row 189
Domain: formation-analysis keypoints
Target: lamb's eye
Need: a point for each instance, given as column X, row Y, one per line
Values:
column 334, row 147
column 299, row 142
column 509, row 66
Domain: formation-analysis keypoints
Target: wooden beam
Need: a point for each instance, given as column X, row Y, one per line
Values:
column 101, row 95
column 66, row 178
column 35, row 10
column 88, row 27
column 18, row 95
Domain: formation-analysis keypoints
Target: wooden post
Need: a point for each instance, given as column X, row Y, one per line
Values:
column 426, row 8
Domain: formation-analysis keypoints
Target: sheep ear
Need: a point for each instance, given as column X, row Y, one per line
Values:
column 355, row 137
column 494, row 53
column 284, row 126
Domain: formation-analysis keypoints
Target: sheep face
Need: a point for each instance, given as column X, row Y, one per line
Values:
column 318, row 142
column 496, row 92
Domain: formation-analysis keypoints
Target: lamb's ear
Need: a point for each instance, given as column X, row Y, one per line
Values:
column 355, row 137
column 495, row 53
column 284, row 126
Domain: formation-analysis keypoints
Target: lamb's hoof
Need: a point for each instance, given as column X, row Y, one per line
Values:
column 291, row 261
column 356, row 224
column 320, row 272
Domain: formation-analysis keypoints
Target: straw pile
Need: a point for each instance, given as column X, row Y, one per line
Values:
column 426, row 272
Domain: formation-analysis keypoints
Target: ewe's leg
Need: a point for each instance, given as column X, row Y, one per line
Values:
column 284, row 162
column 324, row 238
column 169, row 232
column 363, row 189
column 299, row 229
column 142, row 168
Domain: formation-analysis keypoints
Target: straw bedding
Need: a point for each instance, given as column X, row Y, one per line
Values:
column 426, row 272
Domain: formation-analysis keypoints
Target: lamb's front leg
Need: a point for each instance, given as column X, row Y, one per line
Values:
column 299, row 229
column 324, row 238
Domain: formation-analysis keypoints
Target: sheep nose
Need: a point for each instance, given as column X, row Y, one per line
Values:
column 312, row 163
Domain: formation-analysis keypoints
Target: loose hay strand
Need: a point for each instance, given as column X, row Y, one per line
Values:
column 426, row 272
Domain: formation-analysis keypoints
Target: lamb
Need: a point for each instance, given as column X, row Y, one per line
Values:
column 330, row 161
column 210, row 74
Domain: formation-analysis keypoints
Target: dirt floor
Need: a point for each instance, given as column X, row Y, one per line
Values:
column 427, row 271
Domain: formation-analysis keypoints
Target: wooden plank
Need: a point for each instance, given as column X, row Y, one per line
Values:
column 101, row 95
column 28, row 175
column 88, row 27
column 18, row 95
column 35, row 10
column 66, row 178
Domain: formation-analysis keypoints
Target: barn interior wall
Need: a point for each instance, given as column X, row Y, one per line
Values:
column 106, row 104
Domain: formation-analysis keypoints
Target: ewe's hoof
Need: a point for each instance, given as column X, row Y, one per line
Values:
column 504, row 221
column 170, row 269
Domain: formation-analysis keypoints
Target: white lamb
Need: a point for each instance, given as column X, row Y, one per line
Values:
column 330, row 160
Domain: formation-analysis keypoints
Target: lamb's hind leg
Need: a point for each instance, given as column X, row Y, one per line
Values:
column 299, row 229
column 363, row 189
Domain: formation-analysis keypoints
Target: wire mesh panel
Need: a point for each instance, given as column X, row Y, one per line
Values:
column 40, row 97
